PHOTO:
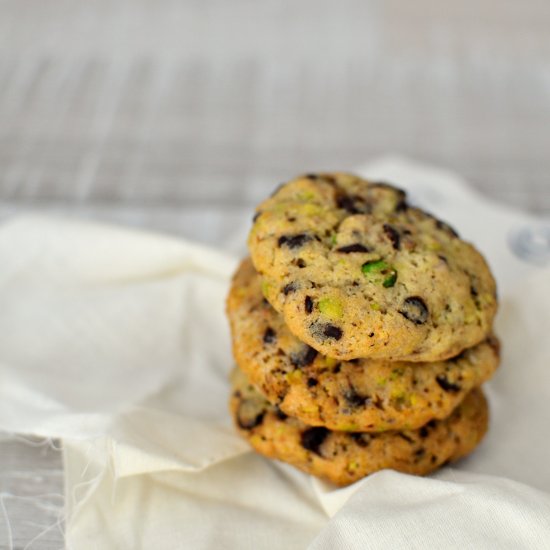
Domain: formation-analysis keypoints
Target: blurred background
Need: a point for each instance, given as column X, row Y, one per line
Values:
column 180, row 115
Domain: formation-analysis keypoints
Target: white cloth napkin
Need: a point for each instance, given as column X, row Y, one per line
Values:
column 116, row 341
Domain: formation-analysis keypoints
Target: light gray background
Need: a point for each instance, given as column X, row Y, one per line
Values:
column 179, row 116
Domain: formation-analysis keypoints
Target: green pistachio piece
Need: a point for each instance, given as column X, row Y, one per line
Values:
column 380, row 272
column 331, row 307
column 389, row 281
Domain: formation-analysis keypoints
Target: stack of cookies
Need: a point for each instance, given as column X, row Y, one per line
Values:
column 362, row 331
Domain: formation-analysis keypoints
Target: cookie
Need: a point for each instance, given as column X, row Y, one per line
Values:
column 357, row 272
column 345, row 457
column 360, row 395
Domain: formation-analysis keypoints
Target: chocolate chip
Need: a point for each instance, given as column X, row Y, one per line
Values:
column 405, row 437
column 419, row 453
column 300, row 263
column 415, row 310
column 378, row 403
column 247, row 422
column 332, row 331
column 269, row 336
column 312, row 177
column 393, row 235
column 313, row 438
column 308, row 304
column 401, row 205
column 347, row 203
column 294, row 241
column 290, row 287
column 445, row 385
column 473, row 291
column 348, row 249
column 423, row 432
column 280, row 414
column 337, row 368
column 354, row 399
column 322, row 331
column 304, row 357
column 312, row 382
column 361, row 439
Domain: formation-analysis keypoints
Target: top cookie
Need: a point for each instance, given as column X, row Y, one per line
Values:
column 357, row 272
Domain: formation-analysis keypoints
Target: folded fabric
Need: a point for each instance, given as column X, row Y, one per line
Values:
column 116, row 341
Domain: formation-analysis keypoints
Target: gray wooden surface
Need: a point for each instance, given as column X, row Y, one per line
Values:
column 178, row 116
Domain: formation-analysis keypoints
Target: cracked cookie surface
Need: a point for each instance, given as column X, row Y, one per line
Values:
column 357, row 272
column 345, row 457
column 359, row 395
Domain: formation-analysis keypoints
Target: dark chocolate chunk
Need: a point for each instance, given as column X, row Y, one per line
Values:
column 378, row 403
column 348, row 249
column 347, row 203
column 405, row 437
column 247, row 422
column 322, row 331
column 354, row 399
column 294, row 241
column 280, row 414
column 300, row 263
column 332, row 331
column 290, row 287
column 361, row 439
column 473, row 291
column 402, row 205
column 304, row 357
column 269, row 336
column 313, row 438
column 393, row 235
column 447, row 386
column 312, row 177
column 308, row 304
column 423, row 432
column 312, row 382
column 415, row 310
